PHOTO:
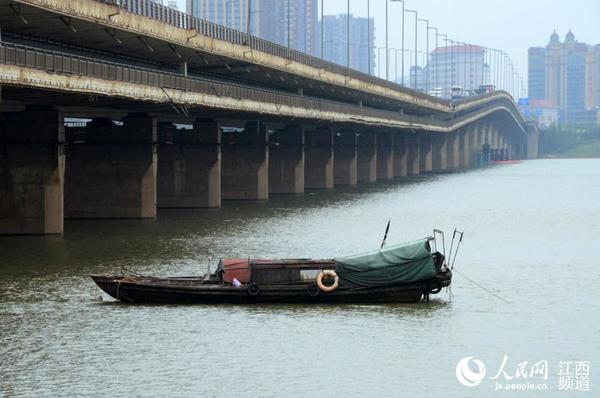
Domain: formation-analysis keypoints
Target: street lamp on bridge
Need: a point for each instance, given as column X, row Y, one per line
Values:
column 435, row 75
column 416, row 41
column 426, row 64
column 445, row 60
column 402, row 56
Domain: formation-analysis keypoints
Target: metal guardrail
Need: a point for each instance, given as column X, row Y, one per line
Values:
column 72, row 64
column 183, row 20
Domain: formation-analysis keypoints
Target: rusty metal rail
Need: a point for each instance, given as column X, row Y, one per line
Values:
column 183, row 20
column 72, row 64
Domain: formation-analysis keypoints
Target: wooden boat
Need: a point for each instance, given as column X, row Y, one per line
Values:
column 399, row 274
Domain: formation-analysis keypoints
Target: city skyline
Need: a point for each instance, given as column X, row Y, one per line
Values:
column 565, row 75
column 529, row 27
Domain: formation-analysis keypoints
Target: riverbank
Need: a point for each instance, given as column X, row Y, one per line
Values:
column 584, row 150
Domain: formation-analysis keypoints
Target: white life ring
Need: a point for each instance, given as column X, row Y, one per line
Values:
column 331, row 288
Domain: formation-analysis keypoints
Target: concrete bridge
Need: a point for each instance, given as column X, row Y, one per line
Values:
column 184, row 113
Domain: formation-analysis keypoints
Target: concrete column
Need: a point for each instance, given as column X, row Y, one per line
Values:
column 111, row 170
column 286, row 161
column 476, row 139
column 32, row 164
column 400, row 154
column 385, row 155
column 452, row 141
column 189, row 165
column 345, row 158
column 245, row 163
column 487, row 143
column 367, row 157
column 426, row 160
column 532, row 142
column 465, row 147
column 413, row 153
column 440, row 152
column 318, row 163
column 512, row 150
column 501, row 146
column 494, row 143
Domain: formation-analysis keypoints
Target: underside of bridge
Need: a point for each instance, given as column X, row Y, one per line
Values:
column 125, row 159
column 92, row 126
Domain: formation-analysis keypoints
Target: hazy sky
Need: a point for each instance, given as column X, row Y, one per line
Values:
column 510, row 25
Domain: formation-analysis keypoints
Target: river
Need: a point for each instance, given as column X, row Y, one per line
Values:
column 531, row 234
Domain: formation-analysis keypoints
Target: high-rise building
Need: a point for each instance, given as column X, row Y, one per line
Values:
column 417, row 78
column 285, row 22
column 537, row 73
column 230, row 13
column 335, row 41
column 570, row 73
column 292, row 22
column 462, row 66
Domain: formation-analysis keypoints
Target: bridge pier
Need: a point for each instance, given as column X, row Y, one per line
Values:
column 32, row 164
column 111, row 170
column 318, row 163
column 439, row 152
column 400, row 155
column 385, row 156
column 413, row 154
column 501, row 151
column 464, row 147
column 453, row 142
column 367, row 157
column 286, row 161
column 532, row 142
column 245, row 163
column 345, row 158
column 426, row 153
column 494, row 143
column 189, row 165
column 479, row 140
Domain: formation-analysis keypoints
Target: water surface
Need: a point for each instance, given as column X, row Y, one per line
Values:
column 531, row 234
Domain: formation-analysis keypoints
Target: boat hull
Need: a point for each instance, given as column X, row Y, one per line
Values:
column 193, row 291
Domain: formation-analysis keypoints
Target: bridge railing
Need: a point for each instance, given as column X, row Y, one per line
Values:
column 183, row 20
column 72, row 64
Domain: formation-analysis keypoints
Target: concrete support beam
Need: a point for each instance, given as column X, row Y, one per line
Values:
column 426, row 146
column 245, row 163
column 532, row 142
column 503, row 147
column 413, row 153
column 318, row 163
column 465, row 149
column 111, row 170
column 385, row 156
column 32, row 165
column 345, row 158
column 453, row 142
column 286, row 161
column 189, row 165
column 495, row 141
column 476, row 138
column 367, row 157
column 400, row 154
column 440, row 152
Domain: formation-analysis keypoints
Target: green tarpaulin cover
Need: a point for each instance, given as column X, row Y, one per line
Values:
column 405, row 263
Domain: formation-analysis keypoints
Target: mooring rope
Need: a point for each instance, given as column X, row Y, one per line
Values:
column 481, row 287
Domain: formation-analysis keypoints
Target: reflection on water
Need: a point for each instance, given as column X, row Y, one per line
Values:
column 530, row 233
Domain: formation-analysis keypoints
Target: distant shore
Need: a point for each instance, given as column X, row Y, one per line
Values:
column 585, row 150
